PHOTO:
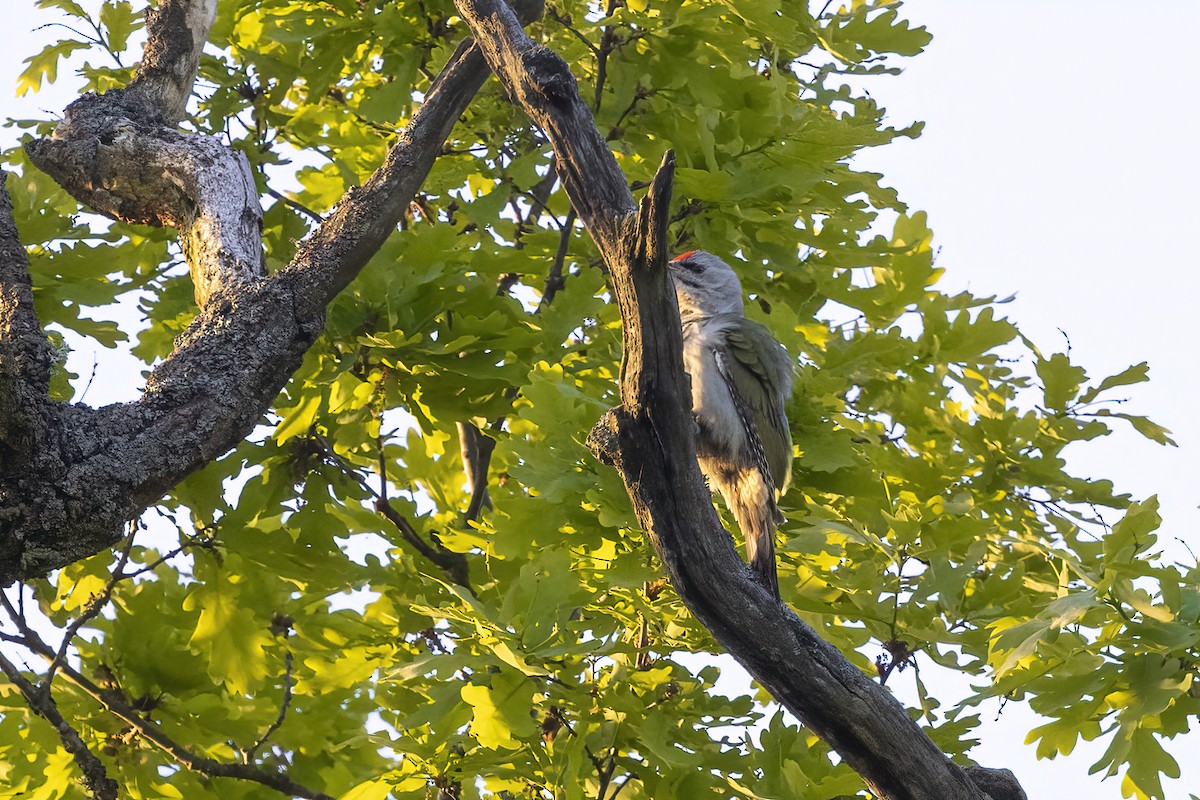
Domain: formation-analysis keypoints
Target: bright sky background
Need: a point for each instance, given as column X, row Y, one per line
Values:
column 1060, row 162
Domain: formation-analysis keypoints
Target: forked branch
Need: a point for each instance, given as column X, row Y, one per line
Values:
column 95, row 778
column 121, row 153
column 649, row 440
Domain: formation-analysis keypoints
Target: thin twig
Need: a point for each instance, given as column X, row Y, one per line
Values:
column 16, row 615
column 94, row 607
column 303, row 209
column 597, row 762
column 614, row 132
column 192, row 541
column 92, row 377
column 80, row 34
column 539, row 201
column 1187, row 547
column 115, row 703
column 622, row 783
column 248, row 755
column 95, row 777
column 382, row 462
column 104, row 42
column 561, row 19
column 476, row 452
column 454, row 565
column 555, row 280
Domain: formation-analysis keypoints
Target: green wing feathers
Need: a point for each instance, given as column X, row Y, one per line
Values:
column 761, row 372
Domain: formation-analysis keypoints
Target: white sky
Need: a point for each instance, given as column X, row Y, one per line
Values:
column 1059, row 162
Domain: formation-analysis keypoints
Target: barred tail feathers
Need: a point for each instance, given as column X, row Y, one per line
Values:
column 751, row 498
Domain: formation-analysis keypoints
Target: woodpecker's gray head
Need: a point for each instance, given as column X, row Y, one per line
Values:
column 705, row 286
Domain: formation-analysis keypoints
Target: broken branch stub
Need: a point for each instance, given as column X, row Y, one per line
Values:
column 648, row 439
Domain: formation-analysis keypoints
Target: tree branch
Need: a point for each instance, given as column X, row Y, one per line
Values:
column 120, row 154
column 454, row 565
column 116, row 704
column 103, row 467
column 554, row 278
column 300, row 207
column 284, row 704
column 649, row 440
column 95, row 778
column 161, row 177
column 176, row 31
column 24, row 351
column 476, row 450
column 94, row 607
column 541, row 83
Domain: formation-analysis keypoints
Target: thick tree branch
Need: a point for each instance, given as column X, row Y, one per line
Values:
column 649, row 440
column 101, row 468
column 112, row 160
column 541, row 83
column 24, row 351
column 176, row 31
column 120, row 154
column 159, row 176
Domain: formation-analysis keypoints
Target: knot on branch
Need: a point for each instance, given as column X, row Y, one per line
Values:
column 547, row 75
column 604, row 438
column 999, row 784
column 113, row 155
column 528, row 10
column 117, row 109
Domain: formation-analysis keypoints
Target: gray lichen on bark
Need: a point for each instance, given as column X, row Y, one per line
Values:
column 649, row 440
column 72, row 476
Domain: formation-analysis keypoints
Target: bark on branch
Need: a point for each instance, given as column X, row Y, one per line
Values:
column 116, row 704
column 24, row 351
column 649, row 440
column 120, row 154
column 95, row 777
column 176, row 33
column 72, row 476
column 126, row 167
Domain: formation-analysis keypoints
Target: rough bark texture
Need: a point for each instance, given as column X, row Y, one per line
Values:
column 24, row 352
column 72, row 476
column 113, row 156
column 649, row 440
column 177, row 30
column 120, row 154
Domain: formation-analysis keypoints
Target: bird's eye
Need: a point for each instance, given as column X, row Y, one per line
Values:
column 692, row 266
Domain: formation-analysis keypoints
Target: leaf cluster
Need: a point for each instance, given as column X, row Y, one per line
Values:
column 933, row 516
